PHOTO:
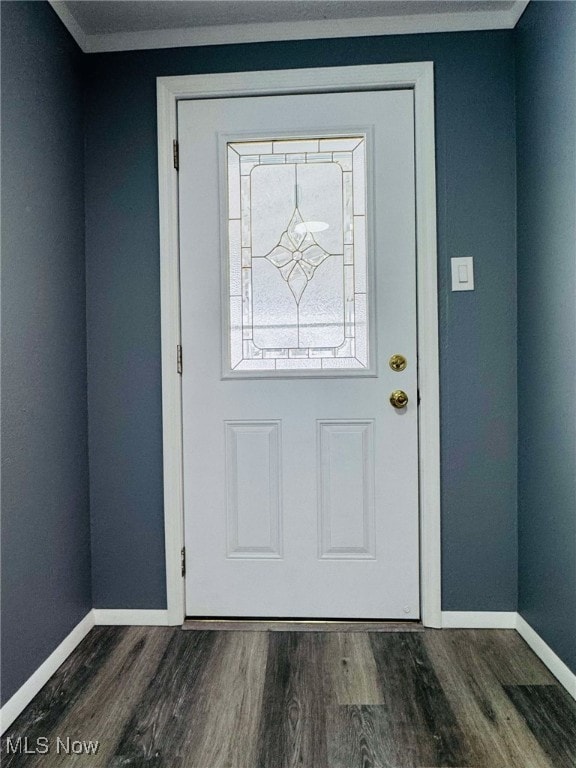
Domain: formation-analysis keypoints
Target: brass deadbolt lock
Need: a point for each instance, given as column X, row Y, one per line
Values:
column 398, row 362
column 399, row 399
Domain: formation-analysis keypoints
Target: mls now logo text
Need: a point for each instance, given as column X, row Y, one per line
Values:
column 43, row 745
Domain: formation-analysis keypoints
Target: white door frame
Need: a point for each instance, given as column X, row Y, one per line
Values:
column 419, row 76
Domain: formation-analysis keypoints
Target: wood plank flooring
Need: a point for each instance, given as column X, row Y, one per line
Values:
column 166, row 698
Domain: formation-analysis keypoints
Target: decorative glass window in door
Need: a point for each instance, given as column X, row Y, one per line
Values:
column 297, row 254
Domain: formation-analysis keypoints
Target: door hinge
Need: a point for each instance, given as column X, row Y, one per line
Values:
column 418, row 397
column 183, row 561
column 179, row 358
column 176, row 154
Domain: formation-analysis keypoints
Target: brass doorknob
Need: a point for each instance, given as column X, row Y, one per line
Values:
column 397, row 363
column 399, row 399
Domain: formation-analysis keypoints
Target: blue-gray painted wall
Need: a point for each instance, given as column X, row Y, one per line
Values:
column 476, row 157
column 45, row 519
column 46, row 590
column 546, row 105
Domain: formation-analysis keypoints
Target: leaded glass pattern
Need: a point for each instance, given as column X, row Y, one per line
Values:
column 297, row 274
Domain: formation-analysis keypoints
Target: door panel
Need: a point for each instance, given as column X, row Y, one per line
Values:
column 297, row 248
column 254, row 497
column 346, row 475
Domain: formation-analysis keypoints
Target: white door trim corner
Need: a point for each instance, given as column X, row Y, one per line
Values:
column 417, row 76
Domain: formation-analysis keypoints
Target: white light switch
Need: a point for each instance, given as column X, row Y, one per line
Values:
column 462, row 273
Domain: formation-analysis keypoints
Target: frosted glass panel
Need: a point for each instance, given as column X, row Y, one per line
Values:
column 297, row 255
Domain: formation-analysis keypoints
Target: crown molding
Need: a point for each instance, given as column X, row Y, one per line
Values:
column 61, row 10
column 516, row 11
column 285, row 30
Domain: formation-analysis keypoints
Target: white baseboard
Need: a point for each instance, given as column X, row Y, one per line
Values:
column 129, row 617
column 24, row 695
column 547, row 655
column 479, row 619
column 513, row 620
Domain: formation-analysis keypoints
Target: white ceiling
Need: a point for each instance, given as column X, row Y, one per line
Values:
column 112, row 25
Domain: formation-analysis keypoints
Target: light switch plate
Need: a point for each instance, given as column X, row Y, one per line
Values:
column 462, row 273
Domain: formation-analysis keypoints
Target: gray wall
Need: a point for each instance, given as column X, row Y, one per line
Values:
column 546, row 103
column 45, row 521
column 475, row 121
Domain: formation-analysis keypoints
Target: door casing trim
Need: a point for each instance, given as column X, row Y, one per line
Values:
column 418, row 76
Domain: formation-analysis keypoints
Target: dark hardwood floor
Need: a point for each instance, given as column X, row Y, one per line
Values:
column 163, row 697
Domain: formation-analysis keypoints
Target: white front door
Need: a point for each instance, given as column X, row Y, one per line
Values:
column 297, row 258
